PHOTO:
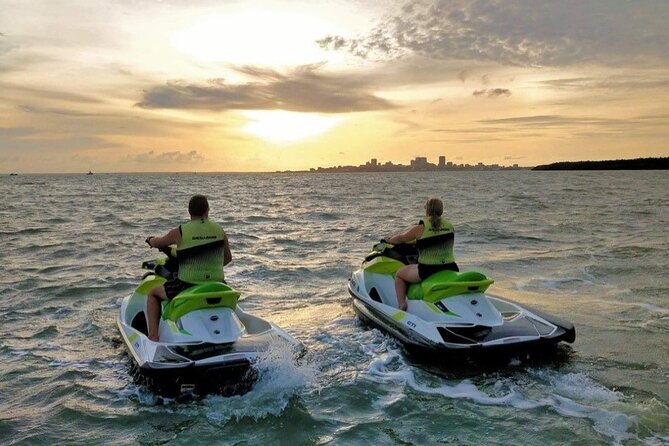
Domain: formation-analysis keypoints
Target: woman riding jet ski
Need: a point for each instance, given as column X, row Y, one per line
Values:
column 443, row 309
column 201, row 340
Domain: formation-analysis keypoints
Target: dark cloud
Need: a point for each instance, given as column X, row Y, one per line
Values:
column 521, row 32
column 304, row 89
column 492, row 92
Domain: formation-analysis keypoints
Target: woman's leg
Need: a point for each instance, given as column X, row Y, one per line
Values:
column 407, row 274
column 153, row 308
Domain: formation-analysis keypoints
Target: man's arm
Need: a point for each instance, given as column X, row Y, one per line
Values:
column 227, row 254
column 171, row 238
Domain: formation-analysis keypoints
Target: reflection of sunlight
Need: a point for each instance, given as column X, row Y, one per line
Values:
column 268, row 38
column 283, row 126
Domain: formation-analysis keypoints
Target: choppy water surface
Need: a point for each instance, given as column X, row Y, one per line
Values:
column 590, row 246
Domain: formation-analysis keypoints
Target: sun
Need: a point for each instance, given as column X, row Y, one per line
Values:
column 280, row 126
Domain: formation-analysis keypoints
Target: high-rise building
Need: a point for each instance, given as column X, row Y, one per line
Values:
column 442, row 161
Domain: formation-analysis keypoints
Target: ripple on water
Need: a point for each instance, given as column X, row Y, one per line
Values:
column 571, row 242
column 612, row 424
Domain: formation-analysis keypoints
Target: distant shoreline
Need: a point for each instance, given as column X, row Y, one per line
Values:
column 658, row 163
column 631, row 164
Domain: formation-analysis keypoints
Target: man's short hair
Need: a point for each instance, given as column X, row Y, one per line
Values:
column 198, row 206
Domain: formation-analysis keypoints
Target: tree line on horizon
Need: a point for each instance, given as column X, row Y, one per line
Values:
column 630, row 164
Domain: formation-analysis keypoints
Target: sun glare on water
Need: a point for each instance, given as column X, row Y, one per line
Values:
column 285, row 127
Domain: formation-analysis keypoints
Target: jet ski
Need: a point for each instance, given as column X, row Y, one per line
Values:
column 208, row 343
column 449, row 311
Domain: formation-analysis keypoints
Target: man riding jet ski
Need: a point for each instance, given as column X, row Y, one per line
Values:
column 443, row 309
column 196, row 338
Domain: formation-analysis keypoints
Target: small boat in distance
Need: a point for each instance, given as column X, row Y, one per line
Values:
column 89, row 173
column 13, row 174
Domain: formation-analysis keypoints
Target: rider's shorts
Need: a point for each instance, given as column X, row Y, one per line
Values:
column 425, row 271
column 174, row 287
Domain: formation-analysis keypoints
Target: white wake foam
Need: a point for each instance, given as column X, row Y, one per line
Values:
column 279, row 379
column 561, row 393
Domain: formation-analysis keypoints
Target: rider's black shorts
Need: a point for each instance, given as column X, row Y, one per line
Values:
column 425, row 271
column 174, row 287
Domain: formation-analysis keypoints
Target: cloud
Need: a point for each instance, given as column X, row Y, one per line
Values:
column 477, row 130
column 520, row 32
column 304, row 89
column 45, row 93
column 611, row 83
column 546, row 121
column 463, row 75
column 492, row 92
column 176, row 156
column 17, row 132
column 583, row 125
column 59, row 111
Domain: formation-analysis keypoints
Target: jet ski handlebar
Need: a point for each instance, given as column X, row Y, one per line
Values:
column 168, row 251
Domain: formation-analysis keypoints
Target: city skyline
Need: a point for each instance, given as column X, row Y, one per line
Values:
column 266, row 85
column 419, row 163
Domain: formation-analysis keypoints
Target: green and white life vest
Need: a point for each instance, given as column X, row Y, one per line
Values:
column 201, row 251
column 435, row 245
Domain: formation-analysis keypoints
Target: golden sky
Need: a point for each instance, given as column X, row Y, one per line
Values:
column 125, row 85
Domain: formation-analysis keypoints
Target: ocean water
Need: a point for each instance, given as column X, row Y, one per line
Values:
column 588, row 246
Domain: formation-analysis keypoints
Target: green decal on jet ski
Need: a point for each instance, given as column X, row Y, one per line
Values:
column 149, row 283
column 175, row 329
column 436, row 309
column 399, row 315
column 383, row 265
column 206, row 295
column 132, row 337
column 448, row 283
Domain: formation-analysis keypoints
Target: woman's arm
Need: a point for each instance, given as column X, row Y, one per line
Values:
column 227, row 254
column 405, row 237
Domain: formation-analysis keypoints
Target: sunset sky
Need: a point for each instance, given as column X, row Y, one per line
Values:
column 123, row 86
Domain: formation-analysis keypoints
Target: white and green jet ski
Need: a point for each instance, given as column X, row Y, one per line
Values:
column 449, row 311
column 208, row 343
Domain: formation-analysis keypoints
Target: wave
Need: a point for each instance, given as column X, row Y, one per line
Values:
column 26, row 231
column 559, row 395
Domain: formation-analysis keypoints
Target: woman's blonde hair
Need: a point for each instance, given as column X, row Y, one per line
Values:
column 433, row 209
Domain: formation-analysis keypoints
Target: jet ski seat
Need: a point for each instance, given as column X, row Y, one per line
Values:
column 448, row 283
column 206, row 295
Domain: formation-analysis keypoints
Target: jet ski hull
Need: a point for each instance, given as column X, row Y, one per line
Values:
column 226, row 378
column 520, row 328
column 211, row 346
